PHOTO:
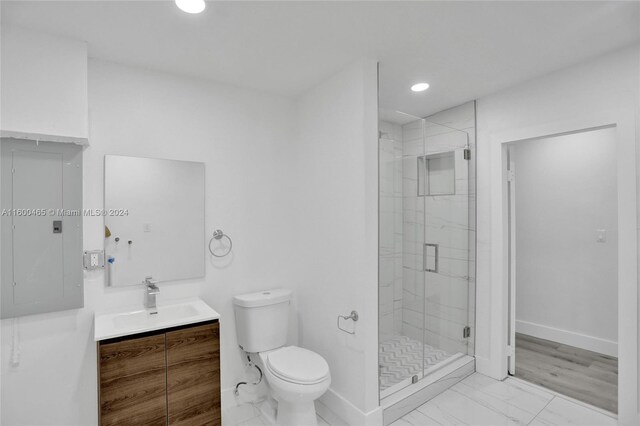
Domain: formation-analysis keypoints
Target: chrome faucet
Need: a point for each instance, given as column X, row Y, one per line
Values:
column 150, row 298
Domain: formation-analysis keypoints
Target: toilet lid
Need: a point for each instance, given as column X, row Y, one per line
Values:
column 298, row 365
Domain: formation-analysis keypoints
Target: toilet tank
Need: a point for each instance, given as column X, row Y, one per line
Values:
column 262, row 319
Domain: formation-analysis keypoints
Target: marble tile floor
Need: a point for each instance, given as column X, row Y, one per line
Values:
column 248, row 415
column 480, row 400
column 477, row 400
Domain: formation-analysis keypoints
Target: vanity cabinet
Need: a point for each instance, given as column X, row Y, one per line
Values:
column 167, row 377
column 193, row 376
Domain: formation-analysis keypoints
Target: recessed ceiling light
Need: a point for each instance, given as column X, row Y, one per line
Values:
column 420, row 87
column 191, row 6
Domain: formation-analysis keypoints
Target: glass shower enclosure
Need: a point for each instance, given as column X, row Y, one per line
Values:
column 426, row 248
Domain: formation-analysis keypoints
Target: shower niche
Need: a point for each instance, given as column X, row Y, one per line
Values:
column 426, row 249
column 436, row 174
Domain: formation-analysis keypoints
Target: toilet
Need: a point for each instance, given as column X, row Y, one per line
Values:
column 295, row 376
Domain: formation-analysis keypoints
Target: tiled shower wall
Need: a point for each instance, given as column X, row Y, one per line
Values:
column 437, row 306
column 391, row 234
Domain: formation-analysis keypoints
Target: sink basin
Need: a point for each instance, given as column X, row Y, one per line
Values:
column 142, row 318
column 117, row 324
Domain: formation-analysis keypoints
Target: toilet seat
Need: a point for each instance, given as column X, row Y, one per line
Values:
column 297, row 365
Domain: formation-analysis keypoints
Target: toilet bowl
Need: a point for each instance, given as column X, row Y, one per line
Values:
column 295, row 376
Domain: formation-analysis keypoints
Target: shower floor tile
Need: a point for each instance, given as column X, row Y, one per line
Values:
column 401, row 357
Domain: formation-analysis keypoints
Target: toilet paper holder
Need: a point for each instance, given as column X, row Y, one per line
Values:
column 352, row 316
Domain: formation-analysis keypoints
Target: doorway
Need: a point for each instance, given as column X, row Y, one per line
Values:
column 563, row 264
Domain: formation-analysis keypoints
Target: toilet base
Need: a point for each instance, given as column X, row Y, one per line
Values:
column 298, row 414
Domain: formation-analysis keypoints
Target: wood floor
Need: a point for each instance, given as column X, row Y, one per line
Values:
column 584, row 375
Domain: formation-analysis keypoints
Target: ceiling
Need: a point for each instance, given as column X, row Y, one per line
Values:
column 465, row 50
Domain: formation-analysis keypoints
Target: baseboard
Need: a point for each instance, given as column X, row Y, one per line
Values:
column 338, row 411
column 332, row 407
column 566, row 337
column 228, row 398
column 484, row 366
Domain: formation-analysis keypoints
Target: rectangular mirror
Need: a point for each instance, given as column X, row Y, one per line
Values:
column 154, row 220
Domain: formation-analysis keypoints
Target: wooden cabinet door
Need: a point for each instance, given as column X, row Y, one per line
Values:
column 193, row 376
column 132, row 376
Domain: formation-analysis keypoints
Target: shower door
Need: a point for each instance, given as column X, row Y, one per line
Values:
column 444, row 171
column 426, row 251
column 400, row 357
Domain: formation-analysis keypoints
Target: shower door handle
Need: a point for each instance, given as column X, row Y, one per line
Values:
column 425, row 251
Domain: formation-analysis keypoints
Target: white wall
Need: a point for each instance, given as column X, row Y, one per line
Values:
column 43, row 85
column 293, row 183
column 605, row 84
column 244, row 138
column 567, row 281
column 337, row 216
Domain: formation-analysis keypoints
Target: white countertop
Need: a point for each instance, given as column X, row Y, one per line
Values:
column 127, row 322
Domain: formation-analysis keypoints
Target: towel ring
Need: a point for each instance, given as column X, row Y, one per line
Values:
column 217, row 235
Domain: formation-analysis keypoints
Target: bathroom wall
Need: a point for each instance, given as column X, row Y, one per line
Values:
column 293, row 182
column 289, row 181
column 391, row 235
column 43, row 85
column 567, row 281
column 244, row 137
column 607, row 83
column 437, row 306
column 337, row 221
